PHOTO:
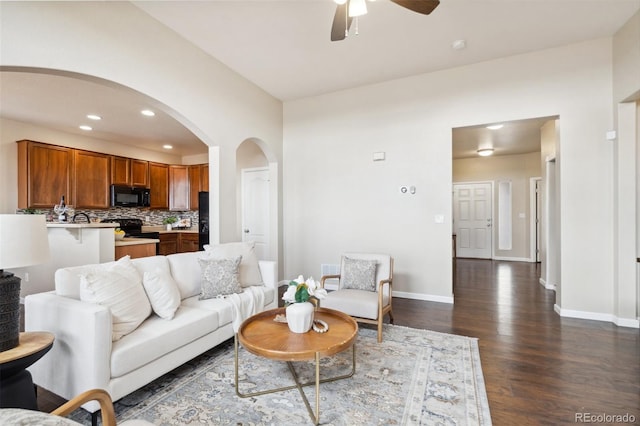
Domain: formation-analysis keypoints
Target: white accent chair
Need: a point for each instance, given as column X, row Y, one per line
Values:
column 365, row 300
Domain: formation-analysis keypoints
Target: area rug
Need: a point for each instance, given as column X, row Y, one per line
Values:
column 414, row 377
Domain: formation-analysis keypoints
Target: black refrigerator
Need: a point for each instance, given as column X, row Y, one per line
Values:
column 203, row 219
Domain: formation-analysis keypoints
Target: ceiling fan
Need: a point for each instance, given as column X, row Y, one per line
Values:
column 347, row 10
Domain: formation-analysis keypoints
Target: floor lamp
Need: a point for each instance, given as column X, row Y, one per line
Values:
column 23, row 242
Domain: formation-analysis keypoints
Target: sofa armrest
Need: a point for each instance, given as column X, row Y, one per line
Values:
column 269, row 272
column 81, row 354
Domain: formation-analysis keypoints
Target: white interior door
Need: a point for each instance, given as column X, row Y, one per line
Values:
column 255, row 209
column 472, row 217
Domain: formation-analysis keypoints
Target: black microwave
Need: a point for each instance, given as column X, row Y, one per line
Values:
column 126, row 196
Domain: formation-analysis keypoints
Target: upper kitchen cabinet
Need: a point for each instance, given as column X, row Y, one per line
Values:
column 91, row 173
column 179, row 188
column 120, row 171
column 44, row 174
column 198, row 181
column 140, row 173
column 159, row 185
column 129, row 172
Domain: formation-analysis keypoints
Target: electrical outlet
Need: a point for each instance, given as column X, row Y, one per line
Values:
column 26, row 277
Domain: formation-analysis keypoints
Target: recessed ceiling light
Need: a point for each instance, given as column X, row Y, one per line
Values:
column 94, row 117
column 85, row 127
column 459, row 44
column 495, row 126
column 147, row 112
column 485, row 152
column 167, row 146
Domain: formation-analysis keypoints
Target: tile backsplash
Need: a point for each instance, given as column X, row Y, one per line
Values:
column 149, row 217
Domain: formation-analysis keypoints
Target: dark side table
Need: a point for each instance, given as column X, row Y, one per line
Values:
column 16, row 384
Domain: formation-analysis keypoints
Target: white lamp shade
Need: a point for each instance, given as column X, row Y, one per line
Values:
column 24, row 240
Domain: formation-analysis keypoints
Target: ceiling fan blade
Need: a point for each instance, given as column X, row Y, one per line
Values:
column 340, row 22
column 421, row 6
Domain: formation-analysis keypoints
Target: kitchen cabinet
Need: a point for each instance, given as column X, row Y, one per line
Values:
column 91, row 173
column 135, row 251
column 187, row 242
column 44, row 174
column 140, row 173
column 168, row 243
column 120, row 171
column 179, row 188
column 198, row 181
column 159, row 185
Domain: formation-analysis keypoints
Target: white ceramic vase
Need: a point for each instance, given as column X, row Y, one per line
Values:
column 300, row 317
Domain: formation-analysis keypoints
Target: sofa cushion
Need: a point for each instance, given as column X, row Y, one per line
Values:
column 156, row 337
column 162, row 292
column 219, row 277
column 249, row 270
column 185, row 270
column 117, row 286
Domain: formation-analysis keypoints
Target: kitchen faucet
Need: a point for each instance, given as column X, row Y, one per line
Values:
column 80, row 214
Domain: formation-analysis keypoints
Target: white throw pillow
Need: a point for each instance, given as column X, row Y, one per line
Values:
column 249, row 269
column 163, row 293
column 118, row 287
column 219, row 277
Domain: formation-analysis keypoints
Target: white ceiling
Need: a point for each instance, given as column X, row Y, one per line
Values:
column 283, row 46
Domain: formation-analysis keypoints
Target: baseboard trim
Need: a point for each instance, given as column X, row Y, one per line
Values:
column 512, row 259
column 596, row 316
column 422, row 296
column 544, row 284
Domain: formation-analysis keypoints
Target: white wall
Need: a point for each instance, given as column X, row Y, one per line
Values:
column 117, row 42
column 338, row 199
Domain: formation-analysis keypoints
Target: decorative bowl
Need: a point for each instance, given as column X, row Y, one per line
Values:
column 119, row 236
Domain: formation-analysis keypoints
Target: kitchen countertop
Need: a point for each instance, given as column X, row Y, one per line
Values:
column 163, row 229
column 81, row 225
column 136, row 241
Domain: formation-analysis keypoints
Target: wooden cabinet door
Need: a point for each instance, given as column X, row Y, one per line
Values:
column 120, row 171
column 178, row 188
column 188, row 242
column 204, row 176
column 195, row 179
column 91, row 173
column 140, row 173
column 44, row 174
column 168, row 243
column 159, row 185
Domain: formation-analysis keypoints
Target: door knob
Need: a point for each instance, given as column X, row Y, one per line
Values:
column 246, row 231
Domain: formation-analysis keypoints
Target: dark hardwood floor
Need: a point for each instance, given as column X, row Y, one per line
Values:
column 539, row 368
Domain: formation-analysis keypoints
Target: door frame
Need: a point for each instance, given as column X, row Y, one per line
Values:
column 534, row 219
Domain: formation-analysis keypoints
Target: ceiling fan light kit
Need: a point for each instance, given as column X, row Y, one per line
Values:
column 347, row 10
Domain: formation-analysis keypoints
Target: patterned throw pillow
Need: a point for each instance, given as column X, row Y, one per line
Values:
column 219, row 277
column 359, row 274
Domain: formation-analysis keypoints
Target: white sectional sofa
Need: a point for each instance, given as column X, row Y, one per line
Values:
column 85, row 355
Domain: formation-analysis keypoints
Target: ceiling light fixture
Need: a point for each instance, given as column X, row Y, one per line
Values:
column 495, row 126
column 459, row 44
column 485, row 152
column 357, row 8
column 85, row 127
column 147, row 112
column 167, row 146
column 94, row 117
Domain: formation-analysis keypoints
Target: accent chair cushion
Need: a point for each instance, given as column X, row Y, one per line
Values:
column 358, row 274
column 117, row 286
column 162, row 292
column 219, row 277
column 249, row 269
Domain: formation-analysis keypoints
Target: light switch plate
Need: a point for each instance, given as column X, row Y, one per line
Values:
column 439, row 218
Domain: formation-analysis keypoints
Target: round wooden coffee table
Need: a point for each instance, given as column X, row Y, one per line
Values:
column 263, row 336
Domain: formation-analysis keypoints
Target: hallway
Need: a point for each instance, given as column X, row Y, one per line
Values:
column 539, row 368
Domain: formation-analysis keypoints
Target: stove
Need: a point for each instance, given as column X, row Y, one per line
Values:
column 132, row 228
